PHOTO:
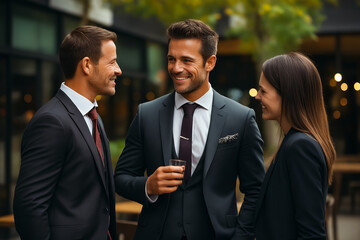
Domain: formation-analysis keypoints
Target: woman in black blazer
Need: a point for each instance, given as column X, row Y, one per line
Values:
column 292, row 199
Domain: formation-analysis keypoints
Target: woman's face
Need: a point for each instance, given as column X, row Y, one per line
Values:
column 270, row 100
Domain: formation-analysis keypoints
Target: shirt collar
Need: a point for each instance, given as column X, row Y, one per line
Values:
column 81, row 102
column 204, row 101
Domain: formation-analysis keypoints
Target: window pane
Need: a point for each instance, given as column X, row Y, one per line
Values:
column 2, row 120
column 2, row 24
column 50, row 81
column 157, row 73
column 33, row 30
column 23, row 105
column 70, row 24
column 129, row 54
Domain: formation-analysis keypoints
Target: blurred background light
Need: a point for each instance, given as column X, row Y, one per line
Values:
column 336, row 114
column 343, row 101
column 357, row 86
column 332, row 82
column 252, row 92
column 235, row 94
column 27, row 98
column 150, row 95
column 338, row 77
column 344, row 87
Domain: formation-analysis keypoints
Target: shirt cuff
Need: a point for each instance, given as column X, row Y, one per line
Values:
column 151, row 198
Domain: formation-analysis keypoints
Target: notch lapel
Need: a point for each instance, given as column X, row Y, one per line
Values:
column 264, row 188
column 216, row 125
column 106, row 149
column 166, row 126
column 79, row 121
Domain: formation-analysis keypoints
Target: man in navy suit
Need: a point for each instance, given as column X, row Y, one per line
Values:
column 225, row 144
column 65, row 188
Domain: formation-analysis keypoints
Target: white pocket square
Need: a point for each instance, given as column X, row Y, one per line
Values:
column 228, row 138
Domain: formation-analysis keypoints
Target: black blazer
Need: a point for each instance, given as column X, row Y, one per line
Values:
column 61, row 191
column 293, row 194
column 149, row 145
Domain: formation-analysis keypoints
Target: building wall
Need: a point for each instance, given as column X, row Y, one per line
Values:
column 30, row 34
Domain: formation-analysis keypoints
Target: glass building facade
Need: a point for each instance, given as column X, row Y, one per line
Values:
column 30, row 74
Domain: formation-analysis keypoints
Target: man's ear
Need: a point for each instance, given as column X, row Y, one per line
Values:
column 86, row 65
column 210, row 63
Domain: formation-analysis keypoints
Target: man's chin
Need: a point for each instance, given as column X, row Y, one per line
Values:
column 182, row 89
column 110, row 92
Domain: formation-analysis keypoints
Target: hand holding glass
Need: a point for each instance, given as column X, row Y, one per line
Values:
column 177, row 162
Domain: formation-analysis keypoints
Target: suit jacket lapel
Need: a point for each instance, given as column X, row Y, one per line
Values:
column 79, row 121
column 216, row 125
column 166, row 126
column 107, row 156
column 264, row 187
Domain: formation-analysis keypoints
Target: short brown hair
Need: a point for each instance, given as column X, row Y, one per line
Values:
column 83, row 41
column 195, row 29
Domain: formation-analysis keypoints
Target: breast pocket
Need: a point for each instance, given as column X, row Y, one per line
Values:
column 228, row 145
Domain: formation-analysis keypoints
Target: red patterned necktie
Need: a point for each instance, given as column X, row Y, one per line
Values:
column 185, row 151
column 95, row 133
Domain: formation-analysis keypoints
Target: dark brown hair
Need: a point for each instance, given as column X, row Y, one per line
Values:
column 298, row 82
column 83, row 41
column 195, row 29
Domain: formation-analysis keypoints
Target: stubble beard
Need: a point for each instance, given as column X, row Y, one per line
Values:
column 191, row 88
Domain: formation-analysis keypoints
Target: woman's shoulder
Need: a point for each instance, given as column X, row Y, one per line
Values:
column 295, row 138
column 303, row 145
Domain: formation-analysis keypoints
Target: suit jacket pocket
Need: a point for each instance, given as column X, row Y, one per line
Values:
column 227, row 145
column 231, row 220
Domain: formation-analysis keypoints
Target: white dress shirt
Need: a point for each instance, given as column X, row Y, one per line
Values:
column 81, row 102
column 200, row 128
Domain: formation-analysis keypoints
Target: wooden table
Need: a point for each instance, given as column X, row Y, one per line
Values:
column 120, row 207
column 7, row 221
column 342, row 166
column 128, row 207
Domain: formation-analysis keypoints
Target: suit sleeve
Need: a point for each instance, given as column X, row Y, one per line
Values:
column 251, row 174
column 129, row 172
column 42, row 154
column 306, row 174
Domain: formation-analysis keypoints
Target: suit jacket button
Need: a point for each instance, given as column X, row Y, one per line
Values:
column 106, row 210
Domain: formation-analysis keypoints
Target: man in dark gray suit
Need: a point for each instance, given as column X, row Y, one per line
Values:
column 221, row 143
column 65, row 188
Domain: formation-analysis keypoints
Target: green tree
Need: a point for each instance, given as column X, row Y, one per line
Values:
column 266, row 27
column 269, row 27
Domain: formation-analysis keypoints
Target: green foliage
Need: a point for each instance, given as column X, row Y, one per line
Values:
column 168, row 11
column 271, row 26
column 275, row 26
column 116, row 148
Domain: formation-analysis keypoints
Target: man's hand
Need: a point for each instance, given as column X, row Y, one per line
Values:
column 165, row 180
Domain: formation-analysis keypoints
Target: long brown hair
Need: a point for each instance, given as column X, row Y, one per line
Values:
column 298, row 82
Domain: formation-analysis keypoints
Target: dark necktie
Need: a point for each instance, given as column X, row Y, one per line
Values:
column 185, row 151
column 95, row 133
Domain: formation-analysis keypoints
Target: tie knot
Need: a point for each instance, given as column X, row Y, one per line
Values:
column 92, row 114
column 189, row 108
